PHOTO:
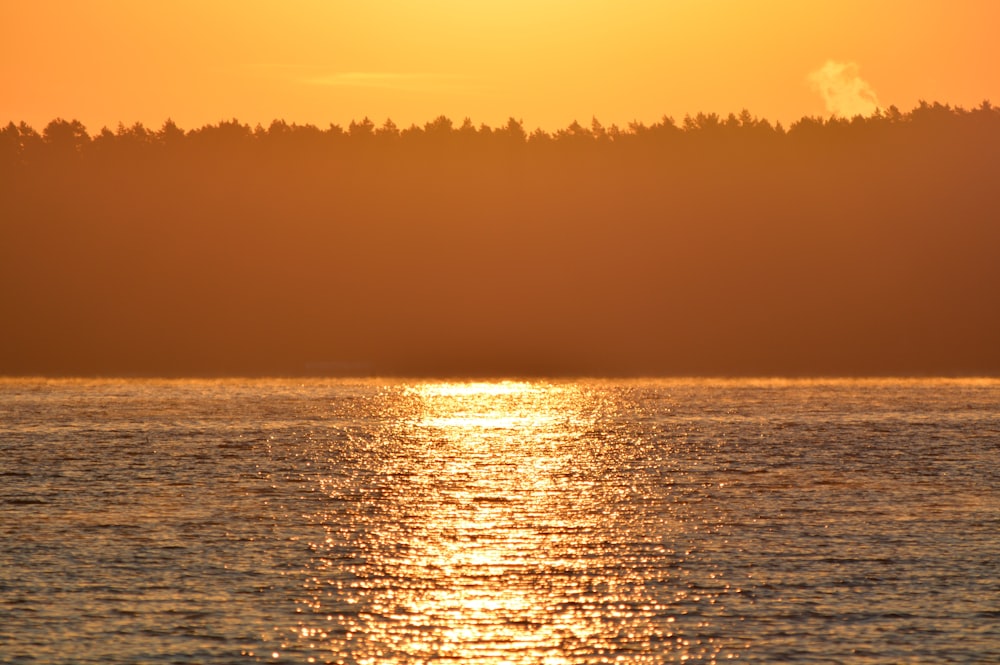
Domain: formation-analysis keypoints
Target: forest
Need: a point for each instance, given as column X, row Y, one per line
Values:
column 717, row 245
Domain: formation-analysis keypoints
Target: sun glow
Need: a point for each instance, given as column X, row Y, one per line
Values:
column 549, row 63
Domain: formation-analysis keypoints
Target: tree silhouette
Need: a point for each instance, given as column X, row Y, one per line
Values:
column 723, row 244
column 65, row 137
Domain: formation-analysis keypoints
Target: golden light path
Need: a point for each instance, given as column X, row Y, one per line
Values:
column 485, row 543
column 505, row 463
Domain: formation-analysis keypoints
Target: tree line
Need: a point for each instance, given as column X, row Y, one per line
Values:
column 714, row 245
column 21, row 144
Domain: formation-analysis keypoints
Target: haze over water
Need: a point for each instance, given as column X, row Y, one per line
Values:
column 499, row 522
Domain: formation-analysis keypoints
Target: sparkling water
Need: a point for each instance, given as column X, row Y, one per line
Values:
column 334, row 521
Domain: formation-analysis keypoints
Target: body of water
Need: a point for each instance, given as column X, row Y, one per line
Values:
column 499, row 522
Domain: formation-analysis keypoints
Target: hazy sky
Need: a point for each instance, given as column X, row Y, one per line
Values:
column 545, row 61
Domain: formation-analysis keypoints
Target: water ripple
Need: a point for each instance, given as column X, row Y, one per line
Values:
column 499, row 522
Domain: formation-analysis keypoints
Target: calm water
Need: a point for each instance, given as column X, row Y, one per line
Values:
column 576, row 522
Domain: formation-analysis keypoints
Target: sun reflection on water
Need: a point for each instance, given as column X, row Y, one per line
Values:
column 497, row 509
column 465, row 411
column 481, row 516
column 485, row 525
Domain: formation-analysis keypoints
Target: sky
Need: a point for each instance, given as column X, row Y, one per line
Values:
column 546, row 62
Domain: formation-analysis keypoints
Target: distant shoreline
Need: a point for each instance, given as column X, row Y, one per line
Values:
column 721, row 246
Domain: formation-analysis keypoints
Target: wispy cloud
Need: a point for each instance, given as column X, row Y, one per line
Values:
column 844, row 92
column 389, row 80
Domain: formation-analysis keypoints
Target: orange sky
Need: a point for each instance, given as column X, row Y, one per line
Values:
column 545, row 61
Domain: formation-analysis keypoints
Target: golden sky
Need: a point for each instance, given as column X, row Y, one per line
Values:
column 548, row 62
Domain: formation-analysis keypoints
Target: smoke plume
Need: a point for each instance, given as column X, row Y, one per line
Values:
column 844, row 92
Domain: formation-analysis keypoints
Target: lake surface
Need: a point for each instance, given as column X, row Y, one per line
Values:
column 500, row 522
